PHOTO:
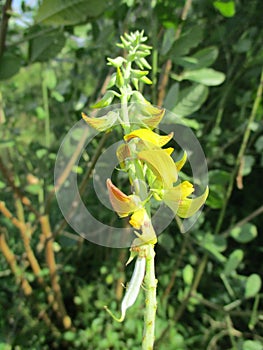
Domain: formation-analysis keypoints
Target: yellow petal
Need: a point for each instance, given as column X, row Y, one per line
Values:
column 161, row 164
column 178, row 193
column 101, row 123
column 181, row 162
column 121, row 203
column 123, row 152
column 149, row 136
column 137, row 218
column 189, row 207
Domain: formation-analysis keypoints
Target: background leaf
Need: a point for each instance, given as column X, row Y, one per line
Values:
column 9, row 65
column 187, row 41
column 201, row 59
column 206, row 76
column 226, row 8
column 68, row 12
column 253, row 285
column 46, row 46
column 190, row 99
column 245, row 233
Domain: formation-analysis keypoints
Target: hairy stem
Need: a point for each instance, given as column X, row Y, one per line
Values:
column 150, row 283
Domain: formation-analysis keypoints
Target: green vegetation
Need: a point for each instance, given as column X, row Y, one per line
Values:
column 207, row 62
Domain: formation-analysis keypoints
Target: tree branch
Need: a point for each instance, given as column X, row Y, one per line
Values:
column 4, row 25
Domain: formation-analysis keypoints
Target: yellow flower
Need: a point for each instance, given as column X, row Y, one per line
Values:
column 123, row 205
column 138, row 218
column 126, row 205
column 161, row 164
column 149, row 136
column 176, row 199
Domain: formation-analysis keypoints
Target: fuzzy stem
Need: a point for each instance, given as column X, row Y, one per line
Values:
column 150, row 283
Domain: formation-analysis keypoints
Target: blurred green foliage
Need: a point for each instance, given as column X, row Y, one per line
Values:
column 52, row 67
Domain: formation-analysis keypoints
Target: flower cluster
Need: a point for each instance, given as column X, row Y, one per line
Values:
column 160, row 171
column 152, row 172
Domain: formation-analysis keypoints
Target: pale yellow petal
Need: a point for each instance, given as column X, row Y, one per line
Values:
column 161, row 164
column 189, row 207
column 181, row 162
column 149, row 136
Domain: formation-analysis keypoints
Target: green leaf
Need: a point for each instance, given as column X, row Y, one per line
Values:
column 34, row 189
column 3, row 185
column 227, row 9
column 46, row 46
column 188, row 274
column 190, row 100
column 245, row 233
column 214, row 245
column 57, row 96
column 187, row 41
column 206, row 57
column 233, row 261
column 50, row 78
column 116, row 62
column 206, row 76
column 201, row 59
column 6, row 143
column 9, row 65
column 68, row 12
column 106, row 100
column 168, row 40
column 259, row 144
column 252, row 345
column 5, row 346
column 218, row 179
column 172, row 97
column 247, row 164
column 253, row 285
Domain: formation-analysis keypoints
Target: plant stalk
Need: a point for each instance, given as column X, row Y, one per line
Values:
column 150, row 283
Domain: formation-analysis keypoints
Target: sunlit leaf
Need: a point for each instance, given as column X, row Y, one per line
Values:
column 252, row 345
column 206, row 76
column 226, row 8
column 68, row 12
column 188, row 274
column 253, row 285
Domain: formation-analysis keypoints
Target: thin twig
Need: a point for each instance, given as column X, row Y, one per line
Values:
column 17, row 191
column 51, row 262
column 11, row 260
column 243, row 221
column 240, row 153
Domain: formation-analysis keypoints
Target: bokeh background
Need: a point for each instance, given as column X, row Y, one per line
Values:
column 207, row 62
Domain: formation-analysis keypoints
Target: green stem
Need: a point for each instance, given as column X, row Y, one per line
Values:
column 150, row 283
